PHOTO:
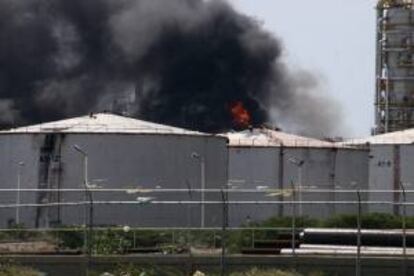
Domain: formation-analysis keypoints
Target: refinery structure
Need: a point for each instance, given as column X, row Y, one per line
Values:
column 188, row 170
column 394, row 66
column 47, row 168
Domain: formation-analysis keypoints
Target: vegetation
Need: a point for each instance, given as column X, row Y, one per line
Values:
column 117, row 241
column 368, row 221
column 8, row 269
column 265, row 272
column 149, row 270
column 243, row 238
column 69, row 239
column 132, row 270
column 17, row 232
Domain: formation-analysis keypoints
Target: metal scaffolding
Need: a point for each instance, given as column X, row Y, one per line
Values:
column 394, row 103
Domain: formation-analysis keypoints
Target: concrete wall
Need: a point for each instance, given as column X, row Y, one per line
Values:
column 115, row 161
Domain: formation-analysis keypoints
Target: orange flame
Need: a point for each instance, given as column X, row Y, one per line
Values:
column 240, row 114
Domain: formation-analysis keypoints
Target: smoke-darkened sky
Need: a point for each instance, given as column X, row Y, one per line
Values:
column 186, row 62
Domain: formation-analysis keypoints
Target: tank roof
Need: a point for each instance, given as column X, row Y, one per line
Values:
column 262, row 137
column 397, row 137
column 102, row 123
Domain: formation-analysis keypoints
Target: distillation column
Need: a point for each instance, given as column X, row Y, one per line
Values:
column 394, row 103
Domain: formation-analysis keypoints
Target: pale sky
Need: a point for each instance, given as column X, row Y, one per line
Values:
column 335, row 39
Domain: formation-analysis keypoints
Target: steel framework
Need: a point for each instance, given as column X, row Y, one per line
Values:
column 394, row 97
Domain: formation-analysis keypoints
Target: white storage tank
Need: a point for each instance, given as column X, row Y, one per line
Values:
column 390, row 170
column 122, row 153
column 263, row 159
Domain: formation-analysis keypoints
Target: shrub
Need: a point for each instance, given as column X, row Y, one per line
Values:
column 7, row 269
column 70, row 239
column 110, row 242
column 262, row 272
column 368, row 221
column 148, row 270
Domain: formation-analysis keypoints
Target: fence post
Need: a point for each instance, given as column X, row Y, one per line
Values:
column 358, row 257
column 223, row 234
column 134, row 239
column 404, row 229
column 293, row 227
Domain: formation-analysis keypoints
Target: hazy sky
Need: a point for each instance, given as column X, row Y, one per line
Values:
column 335, row 39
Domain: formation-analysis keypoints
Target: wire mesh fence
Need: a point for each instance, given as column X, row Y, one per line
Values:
column 246, row 222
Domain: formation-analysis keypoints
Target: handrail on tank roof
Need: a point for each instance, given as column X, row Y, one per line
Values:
column 286, row 142
column 104, row 128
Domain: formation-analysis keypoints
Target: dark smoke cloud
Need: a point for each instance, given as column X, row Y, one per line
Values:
column 185, row 61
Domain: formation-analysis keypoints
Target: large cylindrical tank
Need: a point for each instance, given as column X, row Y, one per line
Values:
column 263, row 160
column 122, row 153
column 391, row 174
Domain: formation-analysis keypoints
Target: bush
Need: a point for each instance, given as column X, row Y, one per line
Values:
column 287, row 222
column 341, row 221
column 149, row 238
column 17, row 232
column 70, row 239
column 7, row 269
column 378, row 220
column 133, row 270
column 368, row 221
column 110, row 242
column 261, row 272
column 236, row 240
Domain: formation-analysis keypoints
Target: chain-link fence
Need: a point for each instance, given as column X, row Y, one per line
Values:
column 313, row 222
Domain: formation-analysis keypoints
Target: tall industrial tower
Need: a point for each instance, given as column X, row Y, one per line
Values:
column 394, row 103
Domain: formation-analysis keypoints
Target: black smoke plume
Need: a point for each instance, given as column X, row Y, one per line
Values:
column 181, row 62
